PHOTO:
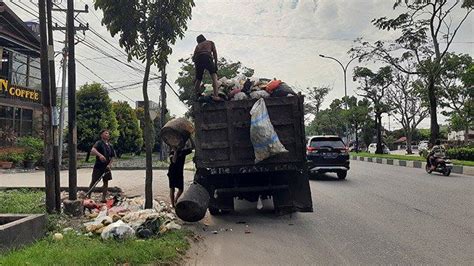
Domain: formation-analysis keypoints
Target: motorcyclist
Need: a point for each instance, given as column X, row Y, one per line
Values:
column 437, row 151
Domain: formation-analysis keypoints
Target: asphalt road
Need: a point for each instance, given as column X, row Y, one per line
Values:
column 381, row 214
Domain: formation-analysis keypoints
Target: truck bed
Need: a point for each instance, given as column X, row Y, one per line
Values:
column 223, row 133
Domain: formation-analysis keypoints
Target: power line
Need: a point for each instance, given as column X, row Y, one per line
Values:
column 104, row 81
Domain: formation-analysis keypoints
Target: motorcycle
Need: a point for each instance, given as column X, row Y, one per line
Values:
column 442, row 165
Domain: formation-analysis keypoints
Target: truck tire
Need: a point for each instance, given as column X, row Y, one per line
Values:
column 214, row 211
column 342, row 174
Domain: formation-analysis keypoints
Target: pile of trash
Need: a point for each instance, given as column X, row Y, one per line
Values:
column 121, row 218
column 242, row 88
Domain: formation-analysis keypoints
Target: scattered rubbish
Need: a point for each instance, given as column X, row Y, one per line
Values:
column 58, row 236
column 241, row 222
column 215, row 232
column 290, row 224
column 126, row 217
column 67, row 229
column 118, row 231
column 259, row 204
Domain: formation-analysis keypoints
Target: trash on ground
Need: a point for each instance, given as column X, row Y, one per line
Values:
column 126, row 217
column 58, row 236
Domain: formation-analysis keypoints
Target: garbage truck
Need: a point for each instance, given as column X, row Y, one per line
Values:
column 225, row 158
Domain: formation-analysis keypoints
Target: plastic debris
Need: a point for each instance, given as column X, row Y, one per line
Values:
column 118, row 230
column 58, row 236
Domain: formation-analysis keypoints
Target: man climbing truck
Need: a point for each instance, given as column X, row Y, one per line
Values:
column 225, row 159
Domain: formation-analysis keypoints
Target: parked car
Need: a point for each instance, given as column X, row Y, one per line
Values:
column 373, row 148
column 327, row 154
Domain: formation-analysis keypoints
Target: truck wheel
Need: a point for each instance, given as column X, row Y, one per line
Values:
column 342, row 174
column 214, row 211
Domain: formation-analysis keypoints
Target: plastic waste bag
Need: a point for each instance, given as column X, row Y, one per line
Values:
column 118, row 231
column 240, row 96
column 259, row 94
column 262, row 134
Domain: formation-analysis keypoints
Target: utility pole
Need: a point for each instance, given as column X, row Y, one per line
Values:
column 72, row 205
column 163, row 110
column 52, row 75
column 64, row 73
column 46, row 101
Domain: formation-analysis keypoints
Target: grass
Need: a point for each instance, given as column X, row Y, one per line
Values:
column 77, row 249
column 83, row 250
column 407, row 158
column 22, row 201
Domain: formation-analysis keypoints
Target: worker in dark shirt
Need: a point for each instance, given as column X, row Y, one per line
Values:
column 176, row 171
column 104, row 153
column 205, row 58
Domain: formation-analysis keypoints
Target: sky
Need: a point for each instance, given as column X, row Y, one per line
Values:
column 277, row 38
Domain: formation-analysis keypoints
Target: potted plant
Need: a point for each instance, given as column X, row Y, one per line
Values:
column 8, row 160
column 33, row 150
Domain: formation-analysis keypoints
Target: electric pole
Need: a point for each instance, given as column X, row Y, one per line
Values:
column 163, row 110
column 72, row 205
column 46, row 102
column 52, row 75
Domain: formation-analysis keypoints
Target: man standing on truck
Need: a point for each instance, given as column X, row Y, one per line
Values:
column 205, row 57
column 176, row 171
column 104, row 153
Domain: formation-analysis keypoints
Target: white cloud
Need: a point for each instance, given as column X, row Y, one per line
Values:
column 329, row 27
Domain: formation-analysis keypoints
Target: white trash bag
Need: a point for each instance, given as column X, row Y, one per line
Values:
column 262, row 134
column 118, row 231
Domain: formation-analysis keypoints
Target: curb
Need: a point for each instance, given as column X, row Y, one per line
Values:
column 458, row 169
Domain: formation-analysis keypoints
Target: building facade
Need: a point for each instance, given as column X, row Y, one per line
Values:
column 20, row 77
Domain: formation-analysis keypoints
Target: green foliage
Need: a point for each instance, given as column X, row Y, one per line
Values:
column 225, row 68
column 330, row 121
column 33, row 148
column 146, row 29
column 14, row 157
column 461, row 153
column 130, row 137
column 83, row 250
column 22, row 201
column 315, row 99
column 457, row 91
column 94, row 113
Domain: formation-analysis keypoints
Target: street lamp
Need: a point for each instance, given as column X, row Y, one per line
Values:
column 344, row 69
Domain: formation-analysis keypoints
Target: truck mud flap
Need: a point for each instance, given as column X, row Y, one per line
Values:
column 301, row 193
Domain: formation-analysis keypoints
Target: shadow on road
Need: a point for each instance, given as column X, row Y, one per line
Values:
column 326, row 177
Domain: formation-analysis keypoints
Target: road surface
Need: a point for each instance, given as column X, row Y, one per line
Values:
column 381, row 214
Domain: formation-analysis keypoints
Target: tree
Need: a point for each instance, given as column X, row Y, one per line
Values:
column 457, row 91
column 356, row 115
column 225, row 68
column 315, row 99
column 406, row 99
column 94, row 113
column 427, row 31
column 330, row 121
column 147, row 30
column 373, row 86
column 130, row 134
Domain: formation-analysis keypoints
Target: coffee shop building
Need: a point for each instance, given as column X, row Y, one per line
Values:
column 20, row 77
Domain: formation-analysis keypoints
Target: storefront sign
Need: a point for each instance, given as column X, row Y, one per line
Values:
column 18, row 92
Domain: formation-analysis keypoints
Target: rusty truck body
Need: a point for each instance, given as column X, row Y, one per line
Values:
column 225, row 160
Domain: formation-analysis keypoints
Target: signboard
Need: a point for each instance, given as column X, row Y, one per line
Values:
column 13, row 91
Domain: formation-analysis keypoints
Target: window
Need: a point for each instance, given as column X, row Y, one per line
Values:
column 5, row 61
column 20, row 119
column 19, row 69
column 327, row 142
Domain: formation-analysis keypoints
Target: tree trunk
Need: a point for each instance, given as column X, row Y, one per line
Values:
column 378, row 122
column 88, row 155
column 409, row 135
column 357, row 139
column 148, row 140
column 466, row 133
column 433, row 115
